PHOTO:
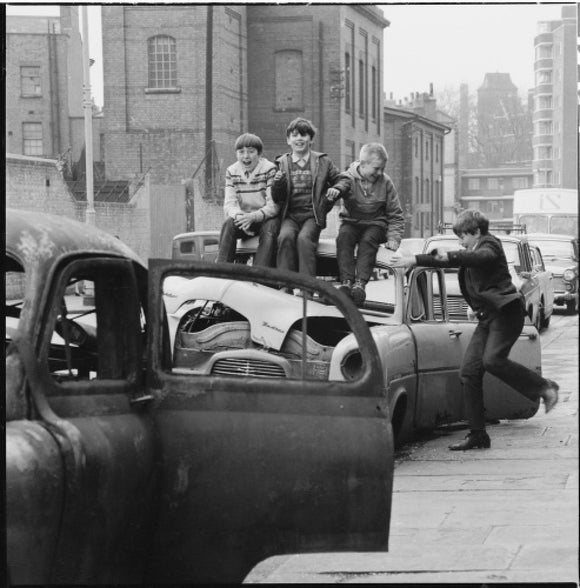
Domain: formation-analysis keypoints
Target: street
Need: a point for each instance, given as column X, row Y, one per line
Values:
column 507, row 514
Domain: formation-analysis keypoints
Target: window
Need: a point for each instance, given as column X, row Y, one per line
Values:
column 427, row 193
column 436, row 152
column 361, row 87
column 492, row 183
column 544, row 76
column 30, row 81
column 416, row 141
column 289, row 76
column 520, row 183
column 427, row 150
column 544, row 51
column 544, row 102
column 347, row 77
column 544, row 127
column 374, row 92
column 543, row 152
column 162, row 62
column 417, row 190
column 32, row 139
column 473, row 184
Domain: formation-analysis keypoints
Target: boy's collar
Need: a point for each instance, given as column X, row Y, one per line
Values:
column 296, row 158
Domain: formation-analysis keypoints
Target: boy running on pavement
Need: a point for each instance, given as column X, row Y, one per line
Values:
column 302, row 187
column 248, row 204
column 371, row 214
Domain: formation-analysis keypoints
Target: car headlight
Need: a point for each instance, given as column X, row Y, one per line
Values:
column 569, row 275
column 351, row 365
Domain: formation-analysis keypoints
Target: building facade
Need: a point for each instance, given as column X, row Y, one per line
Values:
column 44, row 87
column 183, row 81
column 491, row 190
column 555, row 138
column 415, row 143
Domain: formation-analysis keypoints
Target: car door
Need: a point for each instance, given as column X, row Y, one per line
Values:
column 546, row 283
column 81, row 503
column 260, row 466
column 439, row 347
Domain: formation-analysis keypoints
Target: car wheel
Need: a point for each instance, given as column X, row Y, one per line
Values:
column 543, row 322
column 571, row 307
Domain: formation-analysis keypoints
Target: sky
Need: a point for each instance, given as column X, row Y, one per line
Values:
column 446, row 44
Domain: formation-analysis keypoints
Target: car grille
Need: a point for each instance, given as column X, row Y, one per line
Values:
column 558, row 284
column 240, row 366
column 456, row 307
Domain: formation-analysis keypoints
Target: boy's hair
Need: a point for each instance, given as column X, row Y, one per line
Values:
column 469, row 221
column 249, row 140
column 370, row 149
column 303, row 126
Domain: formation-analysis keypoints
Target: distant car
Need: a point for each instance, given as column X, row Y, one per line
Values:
column 526, row 278
column 560, row 253
column 244, row 329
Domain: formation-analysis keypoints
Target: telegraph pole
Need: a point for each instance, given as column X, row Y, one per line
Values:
column 88, row 110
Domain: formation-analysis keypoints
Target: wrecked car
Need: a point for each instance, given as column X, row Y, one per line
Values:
column 123, row 468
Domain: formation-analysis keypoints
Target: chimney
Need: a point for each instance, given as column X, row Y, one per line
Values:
column 431, row 89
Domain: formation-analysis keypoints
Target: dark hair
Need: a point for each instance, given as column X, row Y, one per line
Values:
column 303, row 126
column 249, row 140
column 469, row 221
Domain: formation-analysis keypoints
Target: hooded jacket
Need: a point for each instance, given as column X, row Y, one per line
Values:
column 486, row 269
column 324, row 176
column 378, row 206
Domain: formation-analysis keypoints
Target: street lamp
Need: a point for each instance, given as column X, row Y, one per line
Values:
column 88, row 110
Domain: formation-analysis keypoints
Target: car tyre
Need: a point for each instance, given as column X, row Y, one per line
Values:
column 571, row 307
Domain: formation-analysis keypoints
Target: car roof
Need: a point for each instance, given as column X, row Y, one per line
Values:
column 38, row 238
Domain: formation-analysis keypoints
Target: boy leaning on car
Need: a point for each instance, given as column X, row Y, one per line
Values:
column 487, row 286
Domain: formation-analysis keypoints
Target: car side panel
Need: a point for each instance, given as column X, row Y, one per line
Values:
column 34, row 499
column 247, row 476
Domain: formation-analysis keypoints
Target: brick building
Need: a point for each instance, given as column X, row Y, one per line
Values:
column 44, row 84
column 414, row 139
column 183, row 81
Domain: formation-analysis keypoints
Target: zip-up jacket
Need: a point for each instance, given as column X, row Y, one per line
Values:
column 324, row 176
column 486, row 270
column 379, row 205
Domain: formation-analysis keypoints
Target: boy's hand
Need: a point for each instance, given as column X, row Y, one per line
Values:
column 392, row 245
column 279, row 175
column 332, row 194
column 398, row 260
column 244, row 220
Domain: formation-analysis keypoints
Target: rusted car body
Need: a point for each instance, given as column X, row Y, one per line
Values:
column 217, row 326
column 534, row 281
column 122, row 470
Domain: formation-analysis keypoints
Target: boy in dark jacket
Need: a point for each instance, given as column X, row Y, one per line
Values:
column 486, row 284
column 371, row 214
column 303, row 189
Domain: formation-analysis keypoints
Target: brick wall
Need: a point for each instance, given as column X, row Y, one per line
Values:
column 35, row 184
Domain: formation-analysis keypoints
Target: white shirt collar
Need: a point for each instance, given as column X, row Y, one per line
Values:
column 297, row 158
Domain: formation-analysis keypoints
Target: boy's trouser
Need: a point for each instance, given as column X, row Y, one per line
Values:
column 488, row 351
column 368, row 237
column 267, row 233
column 297, row 245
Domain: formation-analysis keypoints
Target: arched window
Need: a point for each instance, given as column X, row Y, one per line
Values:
column 162, row 56
column 347, row 78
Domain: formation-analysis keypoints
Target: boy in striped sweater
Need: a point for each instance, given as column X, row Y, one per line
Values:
column 248, row 204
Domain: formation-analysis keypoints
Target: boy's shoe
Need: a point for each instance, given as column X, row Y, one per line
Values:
column 475, row 440
column 358, row 293
column 345, row 287
column 550, row 395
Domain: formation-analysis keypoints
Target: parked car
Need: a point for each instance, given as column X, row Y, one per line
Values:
column 533, row 282
column 560, row 253
column 203, row 245
column 217, row 326
column 123, row 469
column 411, row 245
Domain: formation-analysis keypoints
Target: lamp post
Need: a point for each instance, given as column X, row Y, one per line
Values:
column 88, row 110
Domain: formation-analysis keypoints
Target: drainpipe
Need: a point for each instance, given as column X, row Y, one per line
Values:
column 209, row 98
column 88, row 108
